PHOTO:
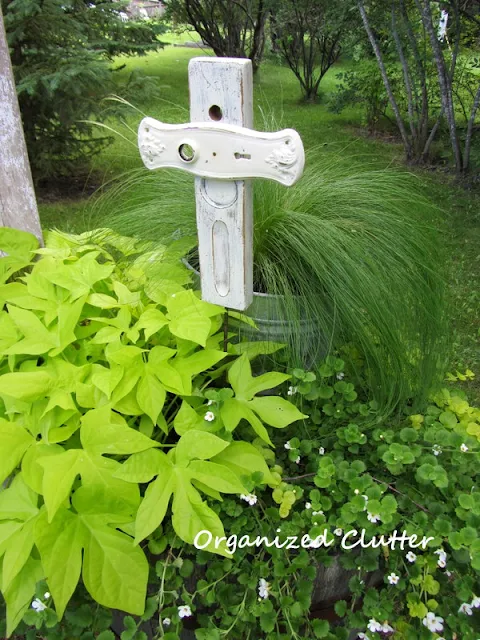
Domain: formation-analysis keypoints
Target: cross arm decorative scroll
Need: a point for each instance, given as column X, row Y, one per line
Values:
column 224, row 153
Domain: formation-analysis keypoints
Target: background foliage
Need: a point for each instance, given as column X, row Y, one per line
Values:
column 62, row 54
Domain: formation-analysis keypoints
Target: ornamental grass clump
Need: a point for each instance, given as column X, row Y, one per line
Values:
column 351, row 249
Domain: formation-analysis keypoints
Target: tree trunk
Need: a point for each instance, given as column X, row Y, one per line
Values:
column 18, row 206
column 444, row 81
column 471, row 122
column 386, row 81
column 258, row 42
column 428, row 144
column 408, row 84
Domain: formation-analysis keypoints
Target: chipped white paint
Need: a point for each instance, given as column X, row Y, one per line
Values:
column 222, row 151
column 18, row 207
column 220, row 148
column 442, row 25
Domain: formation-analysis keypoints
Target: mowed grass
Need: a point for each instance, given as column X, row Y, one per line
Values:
column 278, row 104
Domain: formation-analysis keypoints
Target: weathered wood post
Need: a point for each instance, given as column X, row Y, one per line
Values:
column 221, row 149
column 18, row 206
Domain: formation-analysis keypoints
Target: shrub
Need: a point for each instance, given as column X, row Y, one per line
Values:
column 417, row 474
column 113, row 372
column 362, row 86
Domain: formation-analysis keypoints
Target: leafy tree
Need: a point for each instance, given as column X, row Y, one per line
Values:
column 233, row 28
column 432, row 90
column 308, row 37
column 61, row 52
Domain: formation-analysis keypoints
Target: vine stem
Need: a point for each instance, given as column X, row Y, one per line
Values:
column 225, row 331
column 400, row 493
column 305, row 475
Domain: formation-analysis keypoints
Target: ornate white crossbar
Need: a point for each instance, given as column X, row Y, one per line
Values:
column 224, row 153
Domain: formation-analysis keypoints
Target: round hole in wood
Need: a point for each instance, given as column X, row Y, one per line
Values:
column 186, row 152
column 215, row 112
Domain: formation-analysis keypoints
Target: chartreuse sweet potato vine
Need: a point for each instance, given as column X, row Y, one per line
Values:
column 106, row 360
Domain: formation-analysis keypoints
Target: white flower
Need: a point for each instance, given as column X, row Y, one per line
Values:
column 373, row 625
column 263, row 588
column 46, row 595
column 475, row 603
column 209, row 404
column 466, row 609
column 393, row 578
column 463, row 448
column 338, row 531
column 166, row 622
column 433, row 622
column 38, row 605
column 436, row 450
column 363, row 636
column 184, row 611
column 442, row 558
column 250, row 498
column 287, row 445
column 291, row 391
column 297, row 460
column 308, row 505
column 317, row 513
column 411, row 557
column 373, row 517
column 386, row 628
column 356, row 492
column 340, row 376
column 209, row 416
column 321, row 451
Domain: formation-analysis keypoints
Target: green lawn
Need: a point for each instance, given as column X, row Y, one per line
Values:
column 277, row 104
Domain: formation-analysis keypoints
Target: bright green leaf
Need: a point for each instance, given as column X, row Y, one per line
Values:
column 198, row 444
column 191, row 516
column 151, row 396
column 216, row 476
column 243, row 459
column 115, row 572
column 14, row 442
column 142, row 467
column 60, row 545
column 21, row 592
column 276, row 411
column 104, row 431
column 17, row 553
column 27, row 386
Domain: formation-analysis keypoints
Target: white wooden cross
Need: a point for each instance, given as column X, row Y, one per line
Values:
column 223, row 152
